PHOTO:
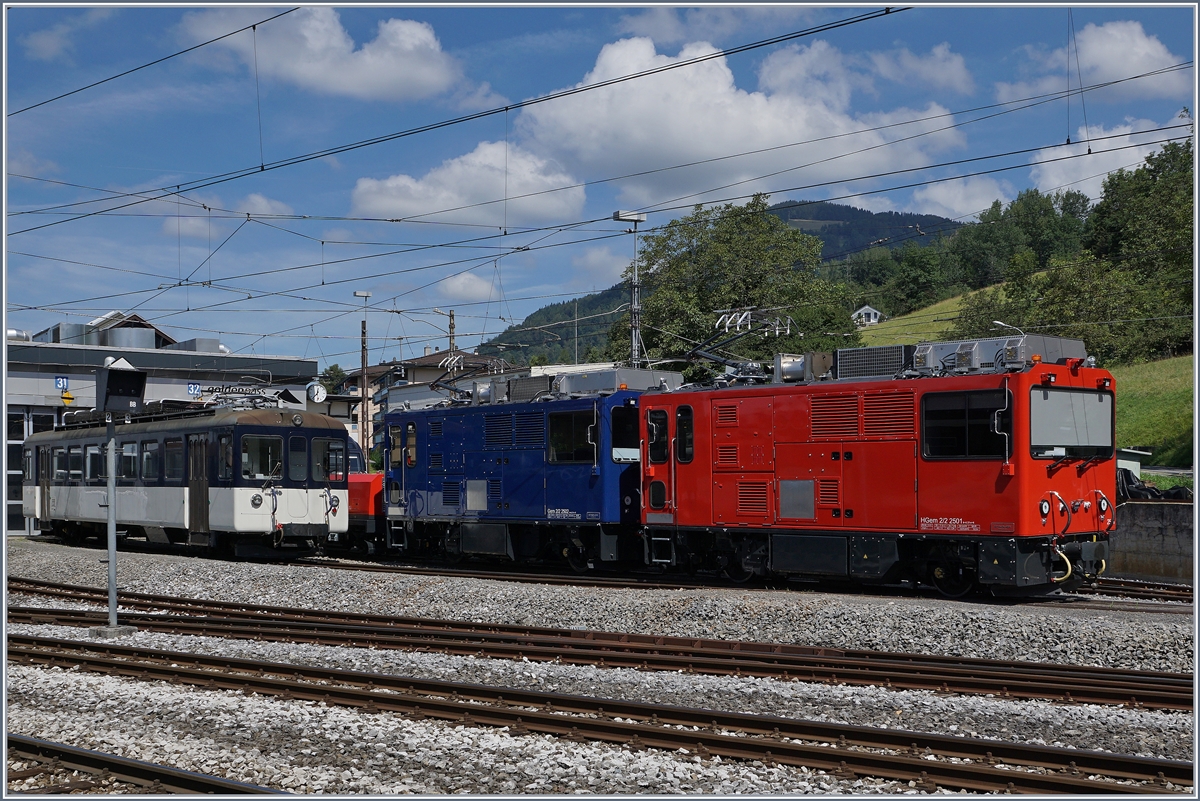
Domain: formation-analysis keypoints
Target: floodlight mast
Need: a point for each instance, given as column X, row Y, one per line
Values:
column 636, row 349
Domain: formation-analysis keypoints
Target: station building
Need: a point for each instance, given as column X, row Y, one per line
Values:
column 53, row 372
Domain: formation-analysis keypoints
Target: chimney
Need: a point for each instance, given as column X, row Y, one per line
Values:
column 428, row 350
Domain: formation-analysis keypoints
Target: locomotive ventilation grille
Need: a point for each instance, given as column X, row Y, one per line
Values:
column 435, row 428
column 727, row 454
column 493, row 489
column 835, row 416
column 497, row 430
column 888, row 415
column 530, row 429
column 827, row 491
column 752, row 498
column 726, row 415
column 435, row 460
column 871, row 361
column 451, row 493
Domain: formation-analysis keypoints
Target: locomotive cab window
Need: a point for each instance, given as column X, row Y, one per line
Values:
column 659, row 444
column 685, row 444
column 410, row 444
column 625, row 440
column 328, row 460
column 151, row 461
column 297, row 458
column 173, row 459
column 1070, row 423
column 966, row 425
column 572, row 436
column 262, row 457
column 396, row 446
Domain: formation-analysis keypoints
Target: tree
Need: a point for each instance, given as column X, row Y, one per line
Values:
column 332, row 377
column 733, row 257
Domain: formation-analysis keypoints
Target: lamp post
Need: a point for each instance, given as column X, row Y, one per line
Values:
column 1006, row 325
column 364, row 408
column 635, row 297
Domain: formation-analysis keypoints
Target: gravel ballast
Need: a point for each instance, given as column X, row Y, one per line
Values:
column 349, row 752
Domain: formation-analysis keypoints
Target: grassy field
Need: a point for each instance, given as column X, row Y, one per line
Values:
column 1154, row 409
column 1154, row 400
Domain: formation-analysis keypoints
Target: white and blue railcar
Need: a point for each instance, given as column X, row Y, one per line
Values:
column 247, row 481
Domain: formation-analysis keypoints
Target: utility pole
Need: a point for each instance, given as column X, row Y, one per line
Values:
column 452, row 332
column 577, row 330
column 635, row 295
column 364, row 406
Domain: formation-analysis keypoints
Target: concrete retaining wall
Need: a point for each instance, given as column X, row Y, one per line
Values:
column 1153, row 542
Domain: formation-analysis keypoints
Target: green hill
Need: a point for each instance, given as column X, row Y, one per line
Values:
column 930, row 323
column 549, row 332
column 1154, row 409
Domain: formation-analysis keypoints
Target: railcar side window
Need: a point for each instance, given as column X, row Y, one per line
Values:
column 571, row 438
column 328, row 459
column 27, row 464
column 151, row 461
column 625, row 439
column 127, row 460
column 225, row 457
column 95, row 462
column 962, row 425
column 685, row 444
column 58, row 458
column 410, row 444
column 656, row 420
column 75, row 463
column 173, row 459
column 262, row 457
column 297, row 458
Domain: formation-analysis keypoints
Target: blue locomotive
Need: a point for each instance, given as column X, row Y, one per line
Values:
column 541, row 469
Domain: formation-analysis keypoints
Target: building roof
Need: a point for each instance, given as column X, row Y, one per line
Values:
column 865, row 310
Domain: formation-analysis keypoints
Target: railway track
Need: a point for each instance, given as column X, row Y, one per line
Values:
column 1148, row 590
column 929, row 761
column 55, row 759
column 1020, row 680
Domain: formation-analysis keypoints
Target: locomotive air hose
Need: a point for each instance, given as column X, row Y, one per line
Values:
column 1066, row 575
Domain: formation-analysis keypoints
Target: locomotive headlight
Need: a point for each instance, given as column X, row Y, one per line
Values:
column 1103, row 505
column 335, row 502
column 297, row 420
column 1044, row 507
column 256, row 500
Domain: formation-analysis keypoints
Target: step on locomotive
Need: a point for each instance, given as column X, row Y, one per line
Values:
column 965, row 464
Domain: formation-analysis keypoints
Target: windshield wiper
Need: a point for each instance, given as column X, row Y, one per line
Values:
column 1086, row 462
column 1051, row 467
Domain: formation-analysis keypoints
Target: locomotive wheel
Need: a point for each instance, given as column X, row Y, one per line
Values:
column 952, row 580
column 736, row 573
column 576, row 558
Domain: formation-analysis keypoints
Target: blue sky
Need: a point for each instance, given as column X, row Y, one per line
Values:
column 498, row 216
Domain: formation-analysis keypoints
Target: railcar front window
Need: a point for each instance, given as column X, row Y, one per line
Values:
column 225, row 457
column 571, row 437
column 27, row 464
column 625, row 439
column 329, row 460
column 262, row 457
column 173, row 459
column 297, row 458
column 1070, row 423
column 966, row 425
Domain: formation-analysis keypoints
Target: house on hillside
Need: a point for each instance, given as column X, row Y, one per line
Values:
column 866, row 316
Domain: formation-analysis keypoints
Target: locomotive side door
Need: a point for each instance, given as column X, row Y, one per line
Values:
column 660, row 479
column 198, row 482
column 44, row 467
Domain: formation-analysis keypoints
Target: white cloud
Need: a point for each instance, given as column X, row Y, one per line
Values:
column 476, row 177
column 966, row 197
column 1107, row 52
column 258, row 204
column 311, row 49
column 22, row 162
column 674, row 26
column 55, row 42
column 699, row 113
column 466, row 288
column 1087, row 174
column 941, row 69
column 599, row 266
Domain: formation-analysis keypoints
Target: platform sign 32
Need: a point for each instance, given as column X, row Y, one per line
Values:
column 193, row 390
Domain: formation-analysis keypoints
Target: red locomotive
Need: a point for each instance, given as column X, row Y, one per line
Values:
column 958, row 464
